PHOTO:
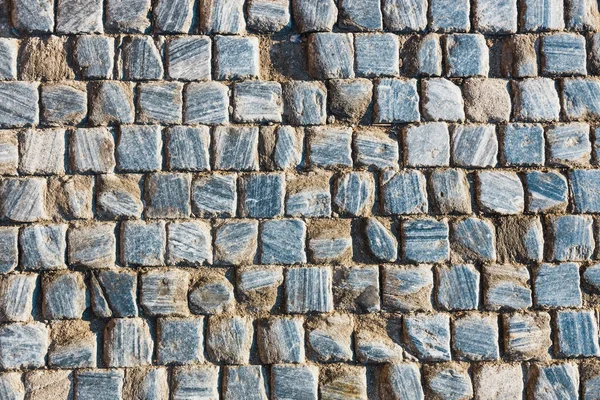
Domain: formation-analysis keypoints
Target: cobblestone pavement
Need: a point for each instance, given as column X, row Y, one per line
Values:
column 315, row 199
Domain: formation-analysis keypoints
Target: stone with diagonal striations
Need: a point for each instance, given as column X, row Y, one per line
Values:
column 16, row 297
column 428, row 336
column 577, row 333
column 407, row 288
column 214, row 195
column 280, row 340
column 206, row 103
column 77, row 16
column 473, row 239
column 222, row 16
column 24, row 345
column 404, row 15
column 476, row 337
column 131, row 17
column 458, row 287
column 173, row 16
column 403, row 192
column 19, row 105
column 63, row 104
column 354, row 193
column 160, row 103
column 236, row 242
column 64, row 295
column 331, row 55
column 23, row 199
column 189, row 243
column 527, row 336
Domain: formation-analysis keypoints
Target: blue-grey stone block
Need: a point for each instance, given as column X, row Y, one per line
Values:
column 73, row 345
column 168, row 195
column 404, row 15
column 396, row 101
column 500, row 192
column 542, row 15
column 494, row 381
column 268, row 16
column 173, row 16
column 289, row 148
column 111, row 102
column 520, row 239
column 195, row 382
column 164, row 293
column 222, row 17
column 228, row 339
column 9, row 153
column 450, row 191
column 458, row 287
column 294, row 382
column 141, row 59
column 235, row 148
column 43, row 247
column 563, row 54
column 23, row 345
column 330, row 241
column 476, row 337
column 329, row 339
column 189, row 243
column 536, row 99
column 403, row 192
column 308, row 196
column 92, row 150
column 449, row 16
column 235, row 57
column 506, row 287
column 331, row 55
column 576, row 334
column 33, row 16
column 129, row 17
column 114, row 293
column 19, row 105
column 427, row 145
column 376, row 54
column 378, row 340
column 63, row 104
column 9, row 252
column 360, row 15
column 571, row 238
column 42, row 152
column 246, row 381
column 143, row 243
column 425, row 54
column 330, row 147
column 523, row 144
column 590, row 380
column 92, row 246
column 557, row 285
column 560, row 381
column 257, row 102
column 376, row 148
column 212, row 295
column 308, row 290
column 214, row 195
column 74, row 17
column 180, row 341
column 442, row 100
column 189, row 58
column 118, row 196
column 546, row 191
column 474, row 146
column 311, row 16
column 495, row 16
column 305, row 103
column 23, row 199
column 261, row 195
column 280, row 340
column 354, row 193
column 582, row 15
column 473, row 239
column 64, row 296
column 586, row 190
column 206, row 103
column 427, row 337
column 592, row 276
column 382, row 243
column 407, row 288
column 356, row 289
column 425, row 240
column 159, row 103
column 187, row 148
column 99, row 384
column 527, row 336
column 401, row 381
column 579, row 98
column 236, row 242
column 17, row 297
column 466, row 55
column 569, row 145
column 448, row 381
column 139, row 148
column 282, row 242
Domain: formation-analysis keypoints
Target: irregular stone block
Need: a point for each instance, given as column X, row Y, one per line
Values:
column 571, row 238
column 11, row 386
column 448, row 381
column 146, row 383
column 376, row 54
column 450, row 191
column 427, row 145
column 259, row 287
column 44, row 59
column 458, row 287
column 423, row 53
column 402, row 381
column 582, row 15
column 506, row 287
column 376, row 148
column 23, row 345
column 449, row 16
column 496, row 381
column 576, row 333
column 33, row 16
column 118, row 196
column 428, row 336
column 141, row 59
column 280, row 340
column 539, row 15
column 381, row 241
column 407, row 288
column 206, row 103
column 164, row 293
column 99, row 384
column 73, row 16
column 442, row 100
column 476, row 337
column 308, row 289
column 404, row 15
column 519, row 56
column 143, row 243
column 9, row 153
column 71, row 197
column 396, row 101
column 569, row 145
column 527, row 336
column 114, row 293
column 555, row 380
column 127, row 343
column 257, row 102
column 214, row 195
column 578, row 95
column 212, row 294
column 187, row 148
column 8, row 249
column 557, row 285
column 546, row 191
column 495, row 17
column 73, row 345
column 42, row 152
column 330, row 55
column 591, row 275
column 520, row 240
column 92, row 150
column 329, row 338
column 159, row 103
column 500, row 192
column 268, row 15
column 305, row 103
column 200, row 382
column 473, row 239
column 245, row 382
column 222, row 16
column 228, row 339
column 330, row 147
column 585, row 186
column 354, row 193
column 43, row 247
column 356, row 289
column 16, row 297
column 308, row 196
column 403, row 192
column 329, row 241
column 19, row 105
column 314, row 16
column 486, row 100
column 466, row 54
column 236, row 57
column 357, row 15
column 377, row 339
column 63, row 104
column 523, row 144
column 23, row 199
column 563, row 54
column 92, row 246
column 425, row 240
column 180, row 341
column 49, row 384
column 343, row 382
column 111, row 102
column 189, row 58
column 173, row 16
column 235, row 242
column 189, row 243
column 294, row 382
column 289, row 148
column 536, row 100
column 235, row 148
column 139, row 148
column 168, row 195
column 130, row 17
column 64, row 295
column 349, row 99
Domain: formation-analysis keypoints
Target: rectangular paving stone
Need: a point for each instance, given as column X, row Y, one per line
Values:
column 404, row 15
column 308, row 290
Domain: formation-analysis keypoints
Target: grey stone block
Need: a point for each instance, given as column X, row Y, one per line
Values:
column 236, row 242
column 92, row 150
column 139, row 148
column 79, row 16
column 33, row 16
column 9, row 252
column 259, row 286
column 23, row 199
column 46, row 384
column 425, row 240
column 173, row 16
column 571, row 238
column 131, row 17
column 294, row 382
column 376, row 148
column 500, row 192
column 563, row 54
column 449, row 16
column 308, row 289
column 23, row 345
column 330, row 147
column 487, row 99
column 578, row 98
column 42, row 152
column 168, row 195
column 546, row 191
column 219, row 16
column 428, row 336
column 228, row 339
column 16, row 297
column 407, row 288
column 357, row 15
column 212, row 295
column 466, row 54
column 541, row 15
column 378, row 340
column 180, row 341
column 356, row 289
column 187, row 148
column 73, row 345
column 330, row 241
column 99, row 384
column 527, row 336
column 458, row 287
column 582, row 15
column 424, row 54
column 147, row 383
column 9, row 153
column 473, row 239
column 261, row 195
column 585, row 184
column 396, row 101
column 143, row 243
column 64, row 295
column 245, row 382
column 189, row 243
column 354, row 193
column 314, row 16
column 70, row 196
column 329, row 338
column 404, row 15
column 349, row 99
column 43, row 247
column 506, row 287
column 442, row 100
column 381, row 242
column 114, row 293
column 235, row 148
column 19, row 105
column 280, row 340
column 141, row 59
column 257, row 102
column 289, row 148
column 523, row 145
column 376, row 54
column 476, row 337
column 308, row 196
column 63, row 104
column 591, row 276
column 214, row 195
column 495, row 17
column 127, row 343
column 111, row 102
column 92, row 246
column 189, row 58
column 235, row 58
column 206, row 103
column 448, row 381
column 557, row 285
column 159, row 103
column 427, row 145
column 402, row 381
column 576, row 334
column 555, row 380
column 569, row 145
column 331, row 55
column 450, row 191
column 268, row 15
column 198, row 381
column 118, row 196
column 403, row 192
column 535, row 100
column 305, row 103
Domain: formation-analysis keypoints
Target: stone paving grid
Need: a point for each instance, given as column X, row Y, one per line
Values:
column 229, row 199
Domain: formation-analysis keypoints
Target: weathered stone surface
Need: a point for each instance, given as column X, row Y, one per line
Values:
column 467, row 54
column 189, row 243
column 75, row 16
column 376, row 54
column 280, row 340
column 42, row 152
column 289, row 148
column 500, row 192
column 476, row 337
column 99, row 384
column 159, row 103
column 427, row 145
column 92, row 150
column 228, row 339
column 294, row 382
column 45, row 59
column 546, row 191
column 164, row 293
column 32, row 16
column 19, row 105
column 475, row 146
column 236, row 58
column 407, row 288
column 111, row 102
column 585, row 187
column 200, row 382
column 214, row 195
column 449, row 16
column 268, row 15
column 127, row 343
column 448, row 381
column 259, row 286
column 168, row 195
column 92, row 246
column 578, row 95
column 188, row 58
column 245, row 382
column 206, row 103
column 70, row 197
column 308, row 289
column 571, row 238
column 486, row 100
column 257, row 102
column 357, row 15
column 305, row 103
column 423, row 53
column 442, row 100
column 523, row 145
column 450, row 191
column 180, row 341
column 236, row 242
column 222, row 16
column 235, row 148
column 557, row 285
column 141, row 59
column 375, row 148
column 404, row 15
column 403, row 192
column 187, row 148
column 428, row 336
column 520, row 240
column 349, row 99
column 308, row 196
column 381, row 241
column 330, row 147
column 11, row 386
column 425, row 240
column 64, row 295
column 329, row 338
column 354, row 193
column 582, row 15
column 131, row 17
column 458, row 287
column 173, row 16
column 495, row 17
column 43, row 247
column 331, row 55
column 527, row 336
column 330, row 241
column 473, row 239
column 16, row 297
column 146, row 383
column 497, row 381
column 539, row 15
column 356, row 289
column 576, row 334
column 143, row 243
column 535, row 100
column 139, row 148
column 63, row 104
column 9, row 153
column 8, row 249
column 396, row 101
column 212, row 294
column 563, row 54
column 48, row 384
column 402, row 381
column 506, row 287
column 343, row 382
column 118, row 196
column 560, row 380
column 314, row 16
column 569, row 145
column 23, row 199
column 378, row 339
column 24, row 345
column 73, row 345
column 114, row 293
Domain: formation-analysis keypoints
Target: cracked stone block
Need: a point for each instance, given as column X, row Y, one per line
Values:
column 442, row 100
column 294, row 382
column 329, row 339
column 259, row 287
column 557, row 285
column 527, row 336
column 288, row 152
column 160, row 102
column 448, row 381
column 378, row 339
column 9, row 153
column 90, row 383
column 214, row 195
column 458, row 287
column 199, row 382
column 523, row 145
column 257, row 102
column 506, row 287
column 571, row 238
column 280, row 340
column 356, row 289
column 466, row 55
column 168, row 195
column 378, row 148
column 48, row 384
column 542, row 15
column 536, row 100
column 354, row 193
column 473, row 239
column 206, row 103
column 92, row 246
column 187, row 148
column 73, row 16
column 11, row 386
column 180, row 341
column 341, row 381
column 141, row 59
column 173, row 16
column 92, row 150
column 425, row 240
column 428, row 336
column 559, row 380
column 164, row 293
column 19, row 104
column 130, row 17
column 23, row 199
column 146, row 383
column 402, row 380
column 308, row 196
column 63, row 104
column 308, row 289
column 8, row 249
column 111, row 102
column 381, row 241
column 520, row 240
column 496, row 381
column 143, row 243
column 476, row 337
column 71, row 196
column 376, row 54
column 235, row 242
column 236, row 57
column 43, row 247
column 127, row 343
column 450, row 191
column 576, row 333
column 64, row 295
column 44, row 59
column 16, row 297
column 305, row 103
column 24, row 345
column 563, row 54
column 424, row 53
column 314, row 16
column 139, row 148
column 33, row 16
column 222, row 16
column 189, row 58
column 331, row 55
column 486, row 100
column 359, row 15
column 585, row 186
column 268, row 15
column 404, row 15
column 42, row 152
column 118, row 196
column 449, row 16
column 189, row 243
column 240, row 381
column 500, row 192
column 427, row 145
column 407, row 288
column 495, row 17
column 330, row 241
column 396, row 101
column 235, row 148
column 578, row 95
column 403, row 192
column 349, row 99
column 569, row 145
column 73, row 345
column 114, row 293
column 330, row 147
column 546, row 191
column 228, row 339
column 519, row 56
